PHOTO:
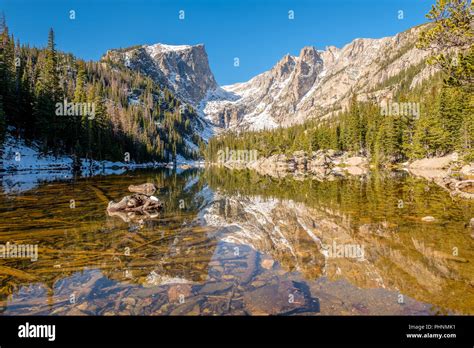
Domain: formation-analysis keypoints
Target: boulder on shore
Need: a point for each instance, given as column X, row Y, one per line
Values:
column 356, row 161
column 319, row 159
column 300, row 159
column 467, row 171
column 434, row 162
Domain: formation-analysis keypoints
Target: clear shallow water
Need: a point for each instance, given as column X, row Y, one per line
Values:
column 236, row 243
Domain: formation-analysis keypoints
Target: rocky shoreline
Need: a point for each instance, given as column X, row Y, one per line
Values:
column 449, row 171
column 322, row 164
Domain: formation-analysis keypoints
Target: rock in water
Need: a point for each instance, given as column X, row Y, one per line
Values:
column 177, row 293
column 428, row 219
column 467, row 171
column 286, row 297
column 113, row 207
column 267, row 263
column 146, row 189
column 136, row 206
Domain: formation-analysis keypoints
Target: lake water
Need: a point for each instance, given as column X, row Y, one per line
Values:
column 236, row 243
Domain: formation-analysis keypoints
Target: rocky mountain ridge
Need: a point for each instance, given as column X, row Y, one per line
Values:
column 314, row 84
column 317, row 83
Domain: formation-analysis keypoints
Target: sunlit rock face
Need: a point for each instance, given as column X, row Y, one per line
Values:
column 184, row 69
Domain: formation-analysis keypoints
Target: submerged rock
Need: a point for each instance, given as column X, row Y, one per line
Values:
column 179, row 292
column 465, row 186
column 428, row 219
column 285, row 297
column 267, row 263
column 451, row 179
column 460, row 188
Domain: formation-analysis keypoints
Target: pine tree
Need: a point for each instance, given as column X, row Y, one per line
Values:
column 451, row 29
column 51, row 68
column 2, row 120
column 79, row 92
column 3, row 78
column 466, row 139
column 47, row 93
column 7, row 69
column 428, row 139
column 451, row 115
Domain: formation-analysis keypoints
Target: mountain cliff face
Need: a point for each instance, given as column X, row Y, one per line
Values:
column 316, row 83
column 313, row 84
column 182, row 69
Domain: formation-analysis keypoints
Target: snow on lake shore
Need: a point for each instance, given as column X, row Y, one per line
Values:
column 23, row 167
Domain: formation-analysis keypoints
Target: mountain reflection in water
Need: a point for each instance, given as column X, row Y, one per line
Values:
column 236, row 243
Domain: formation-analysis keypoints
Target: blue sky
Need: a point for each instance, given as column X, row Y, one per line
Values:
column 258, row 32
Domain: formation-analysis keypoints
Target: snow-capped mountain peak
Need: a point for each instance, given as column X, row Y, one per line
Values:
column 183, row 69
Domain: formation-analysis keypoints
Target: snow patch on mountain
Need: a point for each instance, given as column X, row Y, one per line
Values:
column 163, row 48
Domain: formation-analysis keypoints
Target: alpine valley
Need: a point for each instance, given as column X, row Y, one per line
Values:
column 161, row 103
